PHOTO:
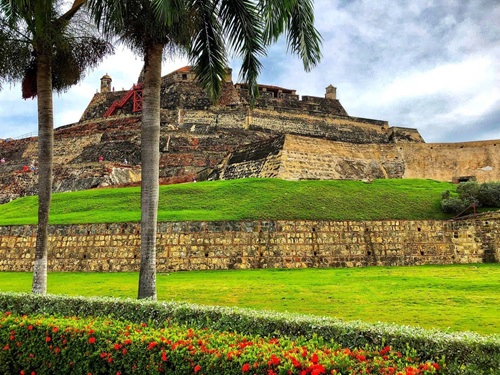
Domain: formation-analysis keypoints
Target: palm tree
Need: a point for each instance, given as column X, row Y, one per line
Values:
column 39, row 48
column 205, row 31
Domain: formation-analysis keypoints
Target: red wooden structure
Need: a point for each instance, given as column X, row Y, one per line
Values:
column 135, row 93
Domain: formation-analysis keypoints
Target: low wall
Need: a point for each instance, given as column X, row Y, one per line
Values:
column 258, row 244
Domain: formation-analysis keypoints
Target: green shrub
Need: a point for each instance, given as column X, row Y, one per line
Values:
column 465, row 353
column 55, row 345
column 468, row 192
column 453, row 205
column 489, row 194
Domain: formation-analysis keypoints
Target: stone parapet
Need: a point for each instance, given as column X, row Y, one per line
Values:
column 258, row 244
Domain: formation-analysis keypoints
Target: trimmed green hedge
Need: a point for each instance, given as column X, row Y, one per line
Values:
column 465, row 353
column 41, row 345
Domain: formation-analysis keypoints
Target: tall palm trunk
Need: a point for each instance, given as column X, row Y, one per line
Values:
column 150, row 158
column 45, row 146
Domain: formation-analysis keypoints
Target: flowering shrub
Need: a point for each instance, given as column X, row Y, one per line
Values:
column 464, row 352
column 39, row 345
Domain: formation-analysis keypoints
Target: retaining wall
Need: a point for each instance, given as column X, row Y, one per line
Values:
column 258, row 244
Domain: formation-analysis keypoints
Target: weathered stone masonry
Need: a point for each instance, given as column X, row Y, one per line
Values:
column 259, row 244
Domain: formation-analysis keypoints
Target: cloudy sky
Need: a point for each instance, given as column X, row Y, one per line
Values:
column 433, row 65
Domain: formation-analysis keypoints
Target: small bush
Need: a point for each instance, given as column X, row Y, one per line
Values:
column 468, row 192
column 453, row 205
column 489, row 194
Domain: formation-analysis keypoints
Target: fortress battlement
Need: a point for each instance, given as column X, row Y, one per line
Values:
column 283, row 135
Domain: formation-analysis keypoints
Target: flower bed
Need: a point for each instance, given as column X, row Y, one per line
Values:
column 465, row 353
column 54, row 345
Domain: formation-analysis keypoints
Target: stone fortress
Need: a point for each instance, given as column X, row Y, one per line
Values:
column 282, row 136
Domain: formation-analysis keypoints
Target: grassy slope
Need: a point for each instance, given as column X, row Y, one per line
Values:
column 458, row 297
column 247, row 199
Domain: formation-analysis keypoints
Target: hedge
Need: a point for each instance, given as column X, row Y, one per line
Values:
column 464, row 352
column 40, row 345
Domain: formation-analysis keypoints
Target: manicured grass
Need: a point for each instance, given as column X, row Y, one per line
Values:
column 458, row 297
column 247, row 199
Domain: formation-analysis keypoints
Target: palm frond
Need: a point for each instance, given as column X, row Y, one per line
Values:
column 207, row 51
column 295, row 19
column 243, row 29
column 302, row 37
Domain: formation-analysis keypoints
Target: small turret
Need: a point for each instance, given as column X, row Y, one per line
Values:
column 331, row 92
column 228, row 76
column 106, row 83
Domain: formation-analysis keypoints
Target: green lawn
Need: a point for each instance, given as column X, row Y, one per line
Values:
column 247, row 199
column 458, row 297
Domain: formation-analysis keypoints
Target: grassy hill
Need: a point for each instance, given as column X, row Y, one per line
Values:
column 248, row 199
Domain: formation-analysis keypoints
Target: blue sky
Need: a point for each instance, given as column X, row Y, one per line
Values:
column 426, row 64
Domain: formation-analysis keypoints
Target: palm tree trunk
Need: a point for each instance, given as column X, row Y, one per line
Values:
column 150, row 158
column 45, row 147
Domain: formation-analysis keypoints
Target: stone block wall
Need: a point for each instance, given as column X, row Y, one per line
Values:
column 306, row 158
column 258, row 244
column 444, row 161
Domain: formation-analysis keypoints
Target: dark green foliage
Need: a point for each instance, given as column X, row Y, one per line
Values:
column 453, row 205
column 468, row 191
column 471, row 194
column 73, row 46
column 489, row 194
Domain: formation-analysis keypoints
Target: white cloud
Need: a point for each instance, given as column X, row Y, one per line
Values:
column 463, row 78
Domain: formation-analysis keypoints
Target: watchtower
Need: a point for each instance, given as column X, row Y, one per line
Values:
column 106, row 83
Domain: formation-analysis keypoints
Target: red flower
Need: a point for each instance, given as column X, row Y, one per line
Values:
column 48, row 339
column 317, row 370
column 152, row 344
column 91, row 340
column 314, row 358
column 274, row 360
column 55, row 329
column 246, row 367
column 197, row 368
column 21, row 372
column 360, row 357
column 164, row 356
column 127, row 342
column 30, row 327
column 385, row 350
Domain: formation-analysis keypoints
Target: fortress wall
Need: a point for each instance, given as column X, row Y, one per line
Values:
column 443, row 161
column 312, row 158
column 250, row 161
column 258, row 244
column 284, row 121
column 343, row 129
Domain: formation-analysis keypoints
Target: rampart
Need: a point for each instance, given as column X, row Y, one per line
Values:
column 293, row 157
column 258, row 244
